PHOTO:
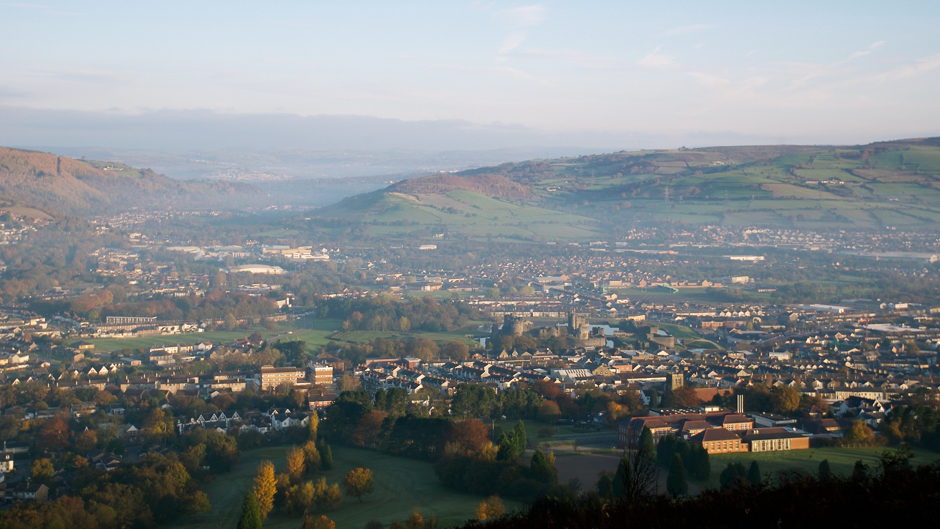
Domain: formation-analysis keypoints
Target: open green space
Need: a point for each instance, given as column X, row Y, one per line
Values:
column 143, row 342
column 841, row 461
column 400, row 486
column 312, row 331
column 368, row 336
column 679, row 331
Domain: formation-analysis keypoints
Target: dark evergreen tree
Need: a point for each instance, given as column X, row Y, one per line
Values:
column 543, row 468
column 605, row 486
column 732, row 475
column 860, row 471
column 698, row 465
column 251, row 514
column 647, row 446
column 654, row 398
column 519, row 437
column 824, row 471
column 676, row 482
column 683, row 450
column 665, row 450
column 326, row 455
column 622, row 476
column 507, row 448
column 753, row 474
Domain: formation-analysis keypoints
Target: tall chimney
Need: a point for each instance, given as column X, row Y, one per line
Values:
column 740, row 403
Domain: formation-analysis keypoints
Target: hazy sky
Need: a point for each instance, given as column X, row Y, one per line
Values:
column 821, row 71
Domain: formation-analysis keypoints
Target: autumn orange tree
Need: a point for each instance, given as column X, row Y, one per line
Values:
column 296, row 464
column 322, row 522
column 491, row 507
column 358, row 482
column 265, row 488
column 312, row 460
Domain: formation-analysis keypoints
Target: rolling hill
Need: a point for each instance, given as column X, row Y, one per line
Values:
column 884, row 185
column 61, row 184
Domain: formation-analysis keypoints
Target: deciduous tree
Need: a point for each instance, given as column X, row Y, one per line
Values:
column 490, row 508
column 311, row 522
column 415, row 521
column 265, row 488
column 296, row 464
column 358, row 482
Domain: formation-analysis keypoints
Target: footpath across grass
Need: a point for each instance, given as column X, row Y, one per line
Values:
column 400, row 485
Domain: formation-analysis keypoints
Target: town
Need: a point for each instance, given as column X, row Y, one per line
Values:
column 705, row 337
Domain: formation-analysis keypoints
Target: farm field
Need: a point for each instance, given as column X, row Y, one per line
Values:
column 400, row 486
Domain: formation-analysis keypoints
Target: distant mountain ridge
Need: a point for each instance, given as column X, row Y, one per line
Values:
column 491, row 185
column 62, row 184
column 883, row 185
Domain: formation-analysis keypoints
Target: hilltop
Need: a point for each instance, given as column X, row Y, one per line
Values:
column 878, row 186
column 62, row 184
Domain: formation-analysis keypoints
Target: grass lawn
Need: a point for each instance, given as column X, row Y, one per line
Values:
column 116, row 344
column 368, row 336
column 312, row 331
column 679, row 331
column 532, row 429
column 400, row 486
column 841, row 461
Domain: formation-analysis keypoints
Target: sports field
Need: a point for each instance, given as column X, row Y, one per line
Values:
column 587, row 467
column 841, row 461
column 312, row 331
column 400, row 486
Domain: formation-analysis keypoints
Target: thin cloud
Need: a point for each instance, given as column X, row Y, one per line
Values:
column 870, row 49
column 494, row 71
column 685, row 30
column 706, row 79
column 512, row 42
column 573, row 56
column 656, row 60
column 84, row 75
column 909, row 70
column 521, row 17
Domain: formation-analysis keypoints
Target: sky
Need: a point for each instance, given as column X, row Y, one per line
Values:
column 489, row 74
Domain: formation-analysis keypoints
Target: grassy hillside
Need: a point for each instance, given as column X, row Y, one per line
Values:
column 58, row 183
column 878, row 186
column 391, row 213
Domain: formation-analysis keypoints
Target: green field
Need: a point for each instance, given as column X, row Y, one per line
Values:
column 313, row 331
column 841, row 461
column 400, row 486
column 679, row 331
column 368, row 336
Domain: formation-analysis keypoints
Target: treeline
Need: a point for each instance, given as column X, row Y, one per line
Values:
column 215, row 305
column 419, row 347
column 467, row 455
column 75, row 437
column 917, row 424
column 896, row 495
column 382, row 313
column 159, row 487
column 155, row 490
